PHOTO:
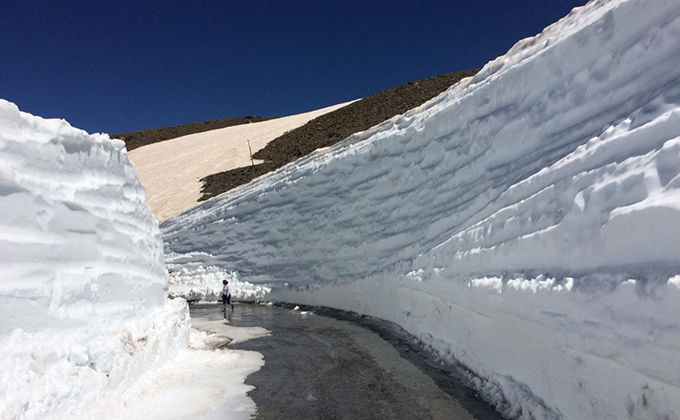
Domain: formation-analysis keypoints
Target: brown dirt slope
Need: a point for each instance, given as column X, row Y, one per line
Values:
column 135, row 139
column 333, row 127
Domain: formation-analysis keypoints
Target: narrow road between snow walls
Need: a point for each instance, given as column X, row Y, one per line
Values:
column 524, row 223
column 321, row 363
column 265, row 362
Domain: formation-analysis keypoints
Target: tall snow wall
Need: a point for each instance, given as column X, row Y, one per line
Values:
column 83, row 288
column 525, row 223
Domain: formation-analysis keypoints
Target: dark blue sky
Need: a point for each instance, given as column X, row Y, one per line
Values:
column 117, row 66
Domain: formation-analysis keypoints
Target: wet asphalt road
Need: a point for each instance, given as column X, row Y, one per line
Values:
column 343, row 366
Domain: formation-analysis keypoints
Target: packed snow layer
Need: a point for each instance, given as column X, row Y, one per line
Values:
column 525, row 222
column 171, row 170
column 84, row 286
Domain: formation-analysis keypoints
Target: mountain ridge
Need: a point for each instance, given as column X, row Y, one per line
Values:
column 329, row 129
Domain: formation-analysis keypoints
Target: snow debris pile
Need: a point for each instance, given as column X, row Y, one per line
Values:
column 524, row 223
column 199, row 283
column 84, row 287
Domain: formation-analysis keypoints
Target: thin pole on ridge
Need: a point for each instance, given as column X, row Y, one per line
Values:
column 252, row 162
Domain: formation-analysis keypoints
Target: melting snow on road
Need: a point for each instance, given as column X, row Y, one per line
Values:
column 204, row 283
column 524, row 223
column 205, row 381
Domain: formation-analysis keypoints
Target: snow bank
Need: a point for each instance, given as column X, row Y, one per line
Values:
column 84, row 287
column 524, row 223
column 201, row 382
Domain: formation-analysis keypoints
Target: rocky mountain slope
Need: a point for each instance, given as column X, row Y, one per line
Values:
column 328, row 129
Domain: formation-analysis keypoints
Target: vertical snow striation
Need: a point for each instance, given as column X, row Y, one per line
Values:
column 525, row 222
column 84, row 286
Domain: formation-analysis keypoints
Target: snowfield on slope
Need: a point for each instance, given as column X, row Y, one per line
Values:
column 525, row 223
column 171, row 170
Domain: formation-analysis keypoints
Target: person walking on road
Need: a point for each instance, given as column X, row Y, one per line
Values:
column 226, row 297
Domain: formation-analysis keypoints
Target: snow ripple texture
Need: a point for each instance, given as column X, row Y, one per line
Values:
column 525, row 222
column 84, row 285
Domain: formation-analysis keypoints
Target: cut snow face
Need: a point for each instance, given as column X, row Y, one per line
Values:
column 172, row 170
column 84, row 285
column 525, row 222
